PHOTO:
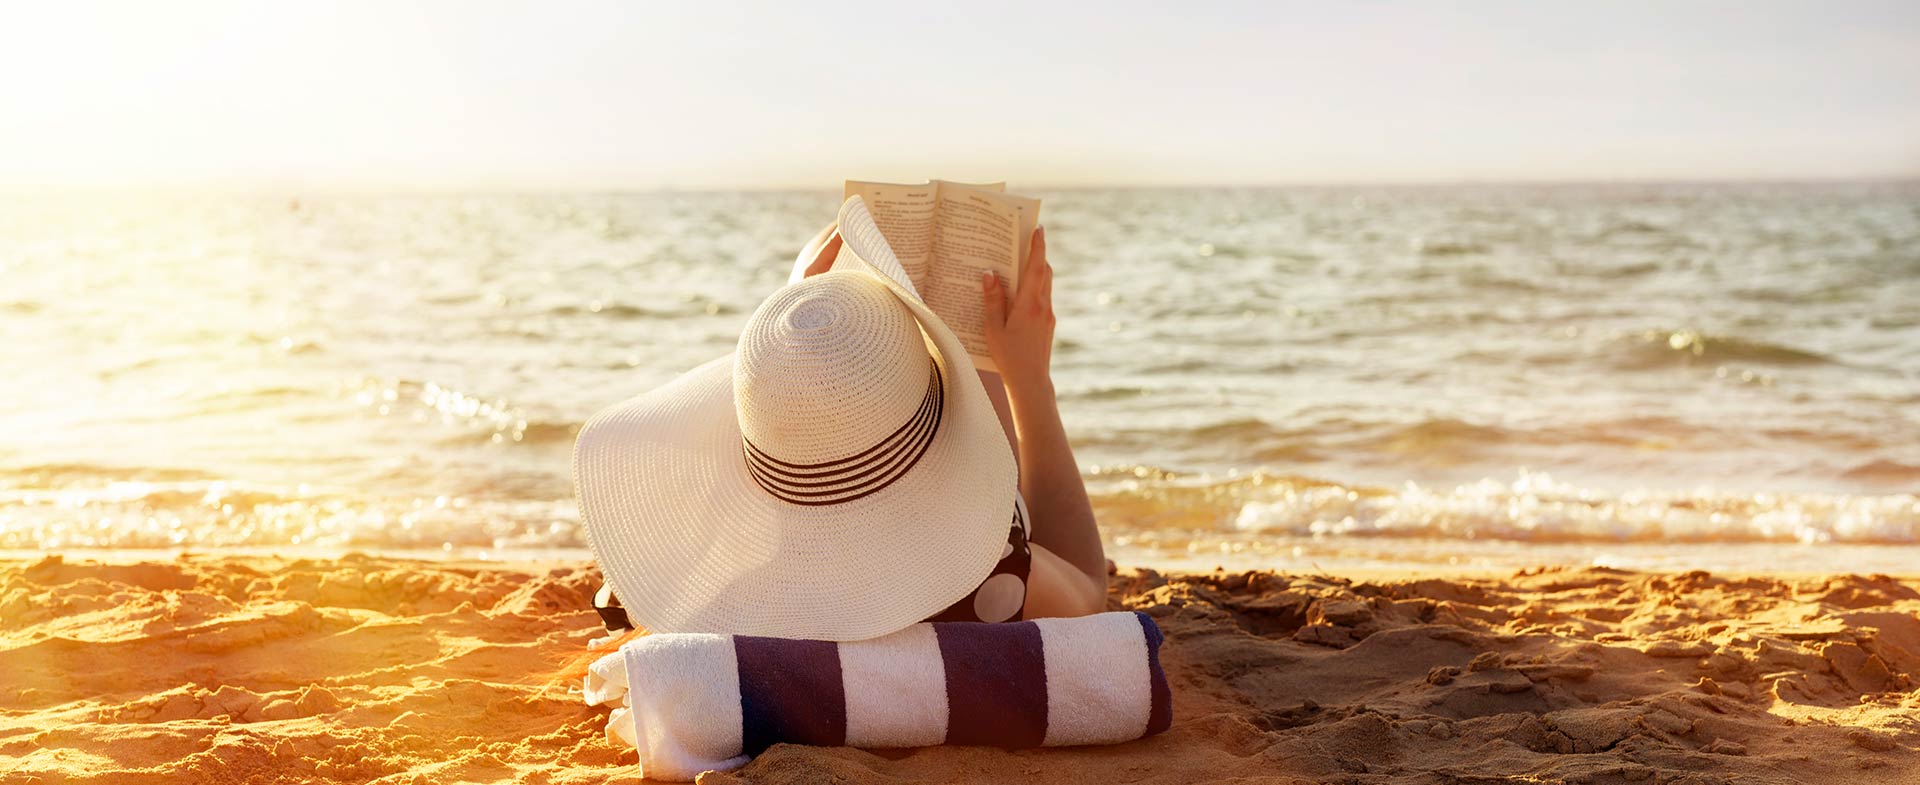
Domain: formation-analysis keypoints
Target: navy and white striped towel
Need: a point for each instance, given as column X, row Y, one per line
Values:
column 699, row 702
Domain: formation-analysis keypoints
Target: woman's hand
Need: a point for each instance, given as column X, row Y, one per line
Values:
column 823, row 257
column 1020, row 331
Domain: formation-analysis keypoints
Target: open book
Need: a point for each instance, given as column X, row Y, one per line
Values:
column 944, row 234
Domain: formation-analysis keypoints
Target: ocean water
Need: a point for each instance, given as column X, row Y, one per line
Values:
column 1672, row 376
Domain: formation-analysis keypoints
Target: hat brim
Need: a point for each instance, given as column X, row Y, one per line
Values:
column 691, row 543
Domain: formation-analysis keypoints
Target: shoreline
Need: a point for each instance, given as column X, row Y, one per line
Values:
column 369, row 669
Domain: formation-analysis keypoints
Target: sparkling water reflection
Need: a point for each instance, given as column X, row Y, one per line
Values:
column 1524, row 364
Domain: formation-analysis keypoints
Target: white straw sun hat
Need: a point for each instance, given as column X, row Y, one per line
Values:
column 840, row 476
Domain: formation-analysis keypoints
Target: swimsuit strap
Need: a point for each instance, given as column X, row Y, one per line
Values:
column 611, row 613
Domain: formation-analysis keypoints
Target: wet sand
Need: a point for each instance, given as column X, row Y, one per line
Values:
column 251, row 669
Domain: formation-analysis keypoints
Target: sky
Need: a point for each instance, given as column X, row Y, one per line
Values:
column 703, row 95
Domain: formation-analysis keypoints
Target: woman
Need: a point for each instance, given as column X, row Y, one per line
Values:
column 840, row 476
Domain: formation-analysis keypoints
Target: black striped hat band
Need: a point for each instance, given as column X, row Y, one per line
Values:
column 857, row 476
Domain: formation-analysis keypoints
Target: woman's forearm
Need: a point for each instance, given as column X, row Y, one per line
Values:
column 1050, row 480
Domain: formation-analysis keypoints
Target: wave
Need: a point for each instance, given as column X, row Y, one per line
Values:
column 63, row 475
column 622, row 311
column 1258, row 442
column 1883, row 470
column 1443, row 434
column 613, row 311
column 1493, row 281
column 1622, row 446
column 477, row 419
column 228, row 514
column 1134, row 503
column 1114, row 393
column 1618, row 271
column 1632, row 227
column 545, row 432
column 1178, row 367
column 1239, row 429
column 230, row 400
column 520, row 433
column 1655, row 349
column 1370, row 436
column 1426, row 247
column 1531, row 508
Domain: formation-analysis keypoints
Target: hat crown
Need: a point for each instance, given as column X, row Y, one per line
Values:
column 829, row 367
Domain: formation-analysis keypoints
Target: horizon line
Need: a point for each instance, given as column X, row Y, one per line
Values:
column 293, row 190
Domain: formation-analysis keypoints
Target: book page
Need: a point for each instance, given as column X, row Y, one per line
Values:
column 973, row 230
column 904, row 214
column 1028, row 208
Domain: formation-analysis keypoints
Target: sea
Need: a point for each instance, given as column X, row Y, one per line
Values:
column 1458, row 378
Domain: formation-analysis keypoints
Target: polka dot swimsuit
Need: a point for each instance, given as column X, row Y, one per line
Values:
column 1001, row 597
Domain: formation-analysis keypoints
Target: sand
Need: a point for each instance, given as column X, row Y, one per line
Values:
column 359, row 669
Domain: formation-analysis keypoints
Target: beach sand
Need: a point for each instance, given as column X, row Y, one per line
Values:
column 244, row 669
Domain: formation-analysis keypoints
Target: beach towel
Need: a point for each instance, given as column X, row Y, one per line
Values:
column 697, row 702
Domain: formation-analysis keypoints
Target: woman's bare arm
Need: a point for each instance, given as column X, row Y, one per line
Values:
column 1020, row 336
column 1057, row 589
column 817, row 255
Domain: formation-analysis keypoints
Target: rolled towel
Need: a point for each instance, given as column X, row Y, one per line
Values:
column 703, row 702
